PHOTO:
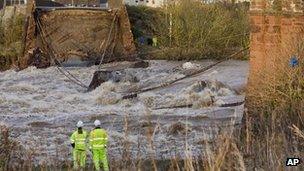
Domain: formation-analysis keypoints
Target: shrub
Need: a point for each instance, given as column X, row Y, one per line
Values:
column 11, row 41
column 145, row 21
column 190, row 29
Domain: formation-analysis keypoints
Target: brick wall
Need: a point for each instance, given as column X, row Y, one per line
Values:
column 273, row 25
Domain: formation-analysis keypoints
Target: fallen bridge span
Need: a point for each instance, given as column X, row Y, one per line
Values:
column 76, row 33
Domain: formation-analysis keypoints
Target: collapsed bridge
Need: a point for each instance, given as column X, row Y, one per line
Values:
column 59, row 32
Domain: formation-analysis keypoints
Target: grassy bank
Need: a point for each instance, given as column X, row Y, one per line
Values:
column 11, row 41
column 191, row 29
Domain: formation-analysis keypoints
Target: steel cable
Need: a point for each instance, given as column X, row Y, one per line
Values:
column 52, row 55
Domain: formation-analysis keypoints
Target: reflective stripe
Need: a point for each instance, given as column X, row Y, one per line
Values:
column 80, row 139
column 93, row 139
column 98, row 145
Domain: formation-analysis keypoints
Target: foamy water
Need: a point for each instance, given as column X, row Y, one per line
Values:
column 41, row 107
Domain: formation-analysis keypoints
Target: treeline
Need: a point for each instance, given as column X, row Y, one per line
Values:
column 193, row 30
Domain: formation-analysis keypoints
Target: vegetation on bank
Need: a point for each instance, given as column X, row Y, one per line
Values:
column 191, row 29
column 10, row 41
column 275, row 116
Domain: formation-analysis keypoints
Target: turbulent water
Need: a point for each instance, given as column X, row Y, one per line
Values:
column 41, row 108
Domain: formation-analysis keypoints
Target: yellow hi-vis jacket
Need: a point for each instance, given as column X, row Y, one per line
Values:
column 79, row 140
column 98, row 139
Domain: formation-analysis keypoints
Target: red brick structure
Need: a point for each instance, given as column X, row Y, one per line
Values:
column 273, row 26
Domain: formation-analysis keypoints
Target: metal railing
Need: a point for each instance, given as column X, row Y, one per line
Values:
column 13, row 2
column 71, row 4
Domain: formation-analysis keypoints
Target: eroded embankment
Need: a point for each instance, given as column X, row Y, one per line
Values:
column 41, row 107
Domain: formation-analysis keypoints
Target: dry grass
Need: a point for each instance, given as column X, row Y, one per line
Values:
column 11, row 41
column 220, row 155
column 8, row 148
column 276, row 103
column 297, row 131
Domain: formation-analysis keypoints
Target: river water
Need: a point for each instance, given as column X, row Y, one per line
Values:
column 41, row 108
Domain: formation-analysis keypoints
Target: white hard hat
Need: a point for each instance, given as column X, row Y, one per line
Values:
column 79, row 124
column 97, row 123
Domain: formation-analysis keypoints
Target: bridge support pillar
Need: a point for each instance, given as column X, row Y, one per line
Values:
column 274, row 28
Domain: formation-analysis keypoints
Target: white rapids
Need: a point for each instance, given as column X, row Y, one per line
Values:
column 41, row 108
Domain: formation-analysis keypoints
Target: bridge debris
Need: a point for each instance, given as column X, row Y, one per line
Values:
column 115, row 74
column 78, row 34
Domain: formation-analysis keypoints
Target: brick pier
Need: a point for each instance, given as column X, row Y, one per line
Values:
column 274, row 26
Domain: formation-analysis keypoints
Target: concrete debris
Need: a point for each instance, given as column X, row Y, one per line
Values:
column 189, row 65
column 117, row 74
column 219, row 102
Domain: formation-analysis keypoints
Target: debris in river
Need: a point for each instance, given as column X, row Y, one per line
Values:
column 189, row 65
column 179, row 128
column 116, row 74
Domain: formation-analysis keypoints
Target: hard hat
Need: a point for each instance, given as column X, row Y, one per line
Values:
column 97, row 123
column 79, row 124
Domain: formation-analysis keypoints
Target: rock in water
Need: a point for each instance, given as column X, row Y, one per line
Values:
column 140, row 64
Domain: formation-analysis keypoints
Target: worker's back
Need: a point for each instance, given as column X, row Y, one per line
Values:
column 79, row 139
column 98, row 138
